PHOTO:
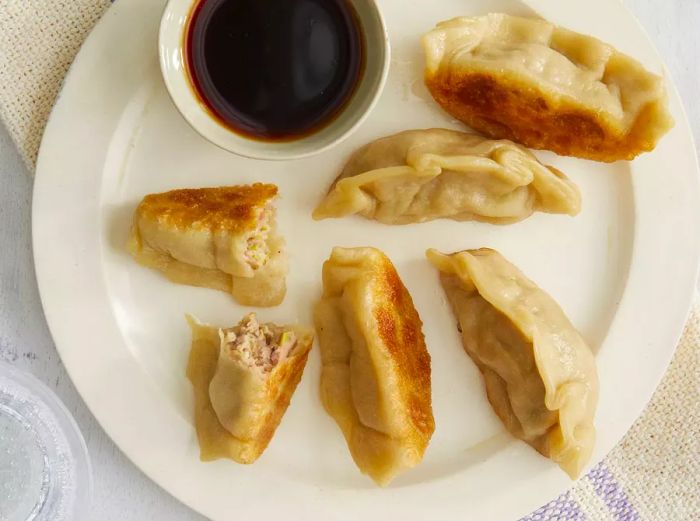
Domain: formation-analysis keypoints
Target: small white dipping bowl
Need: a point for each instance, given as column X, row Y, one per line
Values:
column 171, row 44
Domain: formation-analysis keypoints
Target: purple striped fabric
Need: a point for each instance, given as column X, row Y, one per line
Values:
column 564, row 508
column 612, row 493
column 613, row 496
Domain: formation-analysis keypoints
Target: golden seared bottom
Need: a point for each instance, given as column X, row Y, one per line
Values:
column 504, row 110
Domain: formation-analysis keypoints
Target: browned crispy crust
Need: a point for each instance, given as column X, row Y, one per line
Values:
column 233, row 208
column 400, row 329
column 521, row 113
column 279, row 389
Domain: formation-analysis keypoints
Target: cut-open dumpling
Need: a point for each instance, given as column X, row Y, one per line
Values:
column 222, row 238
column 545, row 86
column 540, row 375
column 420, row 175
column 243, row 379
column 375, row 376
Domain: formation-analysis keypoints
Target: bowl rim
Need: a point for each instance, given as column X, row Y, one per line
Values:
column 174, row 21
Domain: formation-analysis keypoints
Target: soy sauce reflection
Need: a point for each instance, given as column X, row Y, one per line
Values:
column 275, row 69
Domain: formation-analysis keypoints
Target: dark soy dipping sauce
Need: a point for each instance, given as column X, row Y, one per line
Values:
column 275, row 70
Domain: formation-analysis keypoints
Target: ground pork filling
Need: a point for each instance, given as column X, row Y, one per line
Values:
column 257, row 250
column 262, row 346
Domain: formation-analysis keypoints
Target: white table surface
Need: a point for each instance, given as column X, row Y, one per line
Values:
column 122, row 492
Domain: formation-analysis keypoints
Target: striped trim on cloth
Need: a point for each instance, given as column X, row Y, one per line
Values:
column 652, row 474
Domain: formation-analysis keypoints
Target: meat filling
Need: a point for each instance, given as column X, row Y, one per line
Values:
column 258, row 251
column 262, row 346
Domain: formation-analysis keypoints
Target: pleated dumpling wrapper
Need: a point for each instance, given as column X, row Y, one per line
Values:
column 222, row 238
column 243, row 379
column 375, row 376
column 540, row 375
column 546, row 87
column 421, row 175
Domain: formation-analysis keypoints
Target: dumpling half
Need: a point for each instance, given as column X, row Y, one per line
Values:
column 545, row 87
column 375, row 376
column 222, row 238
column 421, row 175
column 243, row 379
column 540, row 375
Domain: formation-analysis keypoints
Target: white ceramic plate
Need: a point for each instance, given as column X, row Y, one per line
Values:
column 624, row 270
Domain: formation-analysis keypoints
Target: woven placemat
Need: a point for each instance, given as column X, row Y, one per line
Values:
column 38, row 41
column 652, row 474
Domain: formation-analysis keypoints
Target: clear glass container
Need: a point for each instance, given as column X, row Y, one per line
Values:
column 45, row 472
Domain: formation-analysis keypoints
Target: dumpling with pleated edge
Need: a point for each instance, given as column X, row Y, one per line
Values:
column 375, row 367
column 421, row 175
column 243, row 378
column 223, row 238
column 546, row 87
column 540, row 375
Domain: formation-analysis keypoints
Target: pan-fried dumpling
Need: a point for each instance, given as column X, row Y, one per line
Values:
column 375, row 376
column 243, row 379
column 545, row 87
column 420, row 175
column 221, row 238
column 540, row 375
